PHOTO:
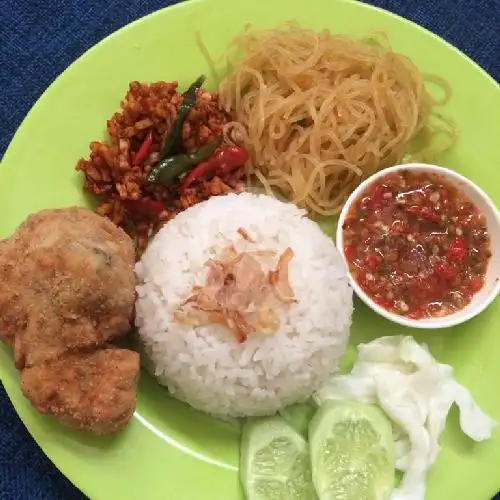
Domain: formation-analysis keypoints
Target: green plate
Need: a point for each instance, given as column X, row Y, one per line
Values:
column 170, row 451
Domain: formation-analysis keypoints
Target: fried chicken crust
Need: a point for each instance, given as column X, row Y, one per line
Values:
column 67, row 288
column 93, row 391
column 66, row 283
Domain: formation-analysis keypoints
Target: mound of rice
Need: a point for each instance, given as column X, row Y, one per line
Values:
column 205, row 365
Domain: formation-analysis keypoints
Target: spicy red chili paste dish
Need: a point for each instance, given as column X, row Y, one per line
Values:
column 416, row 244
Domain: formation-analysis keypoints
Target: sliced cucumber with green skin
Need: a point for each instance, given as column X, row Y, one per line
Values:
column 274, row 461
column 352, row 452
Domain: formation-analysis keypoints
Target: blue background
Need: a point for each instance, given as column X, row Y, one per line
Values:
column 38, row 40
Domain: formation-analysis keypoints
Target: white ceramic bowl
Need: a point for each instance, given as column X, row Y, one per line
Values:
column 481, row 299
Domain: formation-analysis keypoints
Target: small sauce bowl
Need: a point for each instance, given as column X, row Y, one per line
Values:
column 481, row 299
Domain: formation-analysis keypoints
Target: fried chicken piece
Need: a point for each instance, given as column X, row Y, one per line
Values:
column 67, row 288
column 66, row 283
column 93, row 391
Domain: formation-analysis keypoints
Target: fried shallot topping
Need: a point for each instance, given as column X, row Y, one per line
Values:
column 240, row 293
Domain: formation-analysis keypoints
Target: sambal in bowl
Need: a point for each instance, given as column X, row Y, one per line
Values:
column 421, row 244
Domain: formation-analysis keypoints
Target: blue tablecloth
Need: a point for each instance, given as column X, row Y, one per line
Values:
column 40, row 39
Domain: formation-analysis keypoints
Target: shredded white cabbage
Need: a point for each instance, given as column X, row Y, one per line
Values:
column 416, row 392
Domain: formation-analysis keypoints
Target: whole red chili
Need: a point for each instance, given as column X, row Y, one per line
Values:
column 221, row 163
column 144, row 150
column 229, row 159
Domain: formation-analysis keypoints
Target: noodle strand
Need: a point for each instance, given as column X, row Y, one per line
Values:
column 319, row 113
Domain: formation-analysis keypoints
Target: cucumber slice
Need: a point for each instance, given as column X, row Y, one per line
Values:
column 352, row 452
column 274, row 461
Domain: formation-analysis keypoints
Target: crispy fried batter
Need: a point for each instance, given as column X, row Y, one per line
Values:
column 66, row 282
column 90, row 391
column 67, row 287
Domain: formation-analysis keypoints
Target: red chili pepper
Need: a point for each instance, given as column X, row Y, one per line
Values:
column 457, row 250
column 144, row 206
column 221, row 163
column 199, row 172
column 229, row 159
column 144, row 150
column 350, row 253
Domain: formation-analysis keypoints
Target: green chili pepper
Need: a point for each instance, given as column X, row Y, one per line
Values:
column 173, row 140
column 167, row 170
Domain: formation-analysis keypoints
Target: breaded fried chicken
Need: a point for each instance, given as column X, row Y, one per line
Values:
column 67, row 289
column 86, row 390
column 66, row 282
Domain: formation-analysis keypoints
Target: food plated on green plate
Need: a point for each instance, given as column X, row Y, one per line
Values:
column 242, row 305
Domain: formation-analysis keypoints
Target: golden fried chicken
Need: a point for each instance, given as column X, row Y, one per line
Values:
column 67, row 289
column 66, row 282
column 93, row 391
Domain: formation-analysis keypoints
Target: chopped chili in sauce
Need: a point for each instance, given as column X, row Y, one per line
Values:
column 417, row 245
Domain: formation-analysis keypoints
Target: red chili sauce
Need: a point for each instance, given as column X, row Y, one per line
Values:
column 417, row 245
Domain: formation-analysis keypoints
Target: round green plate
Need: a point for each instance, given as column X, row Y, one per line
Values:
column 170, row 451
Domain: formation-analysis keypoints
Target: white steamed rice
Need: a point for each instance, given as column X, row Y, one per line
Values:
column 205, row 366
